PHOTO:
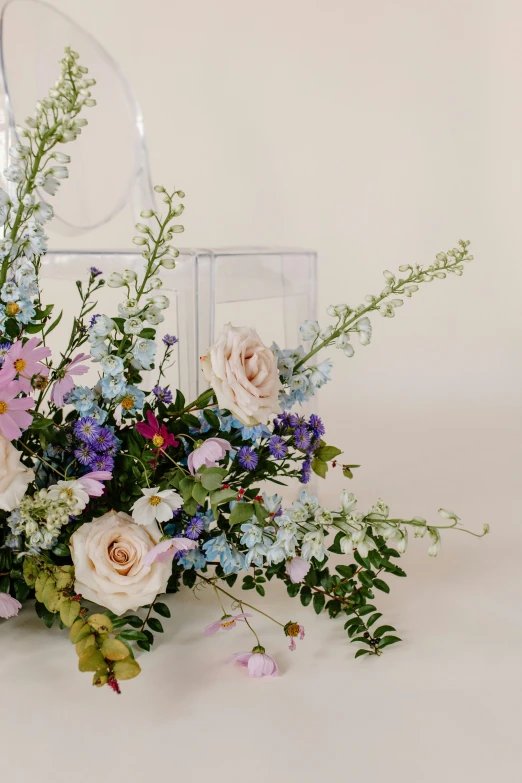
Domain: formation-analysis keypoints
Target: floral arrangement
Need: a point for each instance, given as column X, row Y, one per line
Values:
column 114, row 493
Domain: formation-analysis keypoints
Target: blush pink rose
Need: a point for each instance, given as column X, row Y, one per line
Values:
column 243, row 373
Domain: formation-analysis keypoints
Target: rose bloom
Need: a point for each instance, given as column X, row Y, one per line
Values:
column 108, row 558
column 243, row 373
column 14, row 477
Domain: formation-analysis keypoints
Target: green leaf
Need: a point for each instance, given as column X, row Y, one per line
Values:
column 365, row 579
column 34, row 328
column 155, row 624
column 241, row 513
column 293, row 590
column 199, row 493
column 134, row 621
column 306, row 595
column 31, row 571
column 361, row 652
column 41, row 424
column 212, row 478
column 346, row 571
column 126, row 670
column 388, row 640
column 114, row 650
column 54, row 324
column 162, row 609
column 260, row 511
column 132, row 635
column 318, row 602
column 327, row 453
column 373, row 619
column 69, row 611
column 185, row 487
column 212, row 419
column 91, row 660
column 144, row 645
column 382, row 629
column 319, row 467
column 380, row 585
column 222, row 496
column 190, row 506
column 260, row 589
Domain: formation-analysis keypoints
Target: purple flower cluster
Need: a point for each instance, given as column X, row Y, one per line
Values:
column 162, row 395
column 170, row 340
column 94, row 271
column 97, row 444
column 304, row 435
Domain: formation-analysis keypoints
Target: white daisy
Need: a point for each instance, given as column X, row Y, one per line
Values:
column 155, row 506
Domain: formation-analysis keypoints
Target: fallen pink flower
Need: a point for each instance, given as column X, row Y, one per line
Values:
column 166, row 549
column 294, row 630
column 297, row 568
column 24, row 360
column 65, row 378
column 227, row 622
column 209, row 453
column 9, row 606
column 258, row 663
column 93, row 482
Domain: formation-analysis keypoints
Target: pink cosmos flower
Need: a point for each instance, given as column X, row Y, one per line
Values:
column 166, row 549
column 92, row 482
column 159, row 435
column 293, row 630
column 297, row 568
column 9, row 606
column 13, row 412
column 208, row 454
column 227, row 622
column 65, row 381
column 24, row 360
column 258, row 663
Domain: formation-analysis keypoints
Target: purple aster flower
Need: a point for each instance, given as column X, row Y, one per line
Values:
column 296, row 421
column 163, row 395
column 316, row 425
column 277, row 447
column 247, row 458
column 4, row 349
column 194, row 528
column 102, row 440
column 101, row 462
column 306, row 471
column 93, row 320
column 170, row 339
column 94, row 271
column 284, row 419
column 86, row 428
column 83, row 454
column 302, row 438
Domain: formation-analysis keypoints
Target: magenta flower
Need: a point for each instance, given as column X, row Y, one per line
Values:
column 208, row 454
column 297, row 568
column 159, row 435
column 9, row 606
column 65, row 382
column 227, row 622
column 166, row 549
column 13, row 412
column 294, row 630
column 93, row 482
column 258, row 663
column 24, row 360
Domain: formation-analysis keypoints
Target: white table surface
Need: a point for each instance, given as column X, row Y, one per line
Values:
column 444, row 705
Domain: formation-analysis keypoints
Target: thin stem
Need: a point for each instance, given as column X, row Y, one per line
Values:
column 239, row 600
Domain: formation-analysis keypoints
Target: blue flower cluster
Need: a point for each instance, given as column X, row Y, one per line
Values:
column 303, row 383
column 230, row 423
column 304, row 434
column 97, row 445
column 230, row 559
column 16, row 295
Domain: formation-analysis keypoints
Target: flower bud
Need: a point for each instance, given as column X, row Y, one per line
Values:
column 147, row 213
column 139, row 241
column 167, row 262
column 115, row 280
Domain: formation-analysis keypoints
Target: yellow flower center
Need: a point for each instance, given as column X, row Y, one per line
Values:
column 12, row 308
column 3, row 406
column 19, row 365
column 158, row 440
column 155, row 500
column 226, row 623
column 127, row 403
column 293, row 629
column 67, row 492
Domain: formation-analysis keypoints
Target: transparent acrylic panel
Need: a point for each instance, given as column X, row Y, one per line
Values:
column 109, row 168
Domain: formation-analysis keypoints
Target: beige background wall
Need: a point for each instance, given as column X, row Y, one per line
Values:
column 377, row 133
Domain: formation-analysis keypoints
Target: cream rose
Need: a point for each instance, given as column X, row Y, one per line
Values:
column 14, row 477
column 108, row 559
column 243, row 373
